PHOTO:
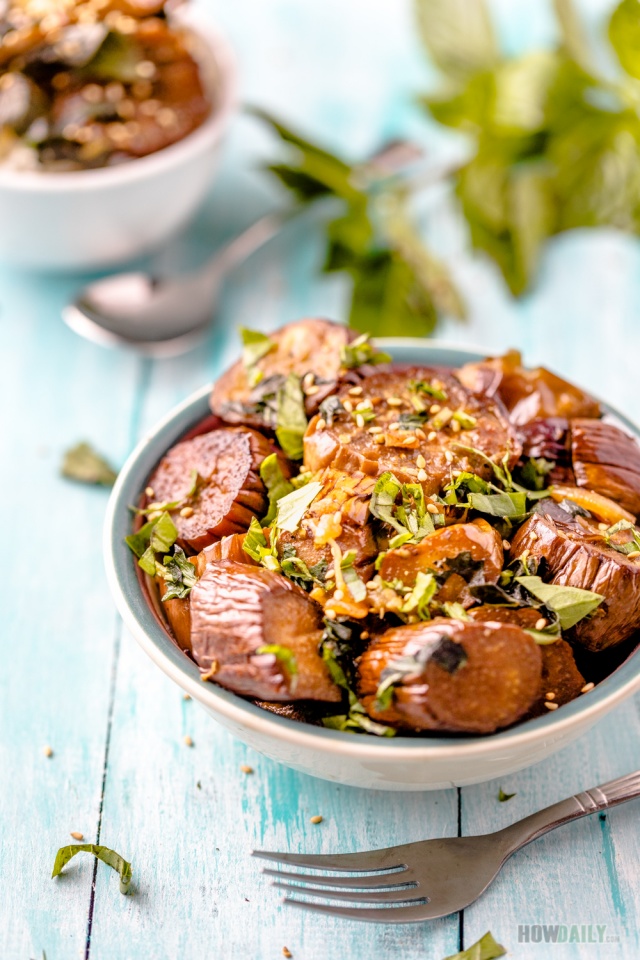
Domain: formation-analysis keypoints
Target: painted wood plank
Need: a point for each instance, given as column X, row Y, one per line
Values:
column 59, row 625
column 198, row 892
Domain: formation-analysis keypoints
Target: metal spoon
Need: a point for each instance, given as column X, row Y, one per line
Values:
column 161, row 317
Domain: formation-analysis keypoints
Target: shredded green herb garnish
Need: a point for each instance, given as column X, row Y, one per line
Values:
column 255, row 346
column 571, row 604
column 110, row 857
column 276, row 483
column 503, row 797
column 291, row 508
column 410, row 516
column 291, row 419
column 263, row 551
column 178, row 573
column 354, row 584
column 361, row 351
column 155, row 536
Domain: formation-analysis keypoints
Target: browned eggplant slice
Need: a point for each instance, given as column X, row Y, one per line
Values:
column 577, row 555
column 479, row 539
column 607, row 460
column 561, row 679
column 309, row 348
column 236, row 610
column 469, row 677
column 528, row 394
column 379, row 429
column 229, row 491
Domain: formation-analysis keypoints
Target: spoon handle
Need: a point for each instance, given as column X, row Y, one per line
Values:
column 245, row 243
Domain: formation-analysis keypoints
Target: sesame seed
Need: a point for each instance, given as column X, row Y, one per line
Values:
column 455, row 426
column 188, row 741
column 308, row 380
column 92, row 93
column 114, row 92
column 420, row 461
column 166, row 117
column 355, row 391
column 149, row 492
column 394, row 426
column 432, row 508
column 506, row 545
column 320, row 425
column 186, row 512
column 77, row 835
column 533, row 535
column 420, row 433
column 550, row 706
column 550, row 695
column 448, row 456
column 603, row 526
column 145, row 69
column 330, row 614
column 316, row 819
column 364, row 405
column 394, row 401
column 338, row 595
column 587, row 687
column 541, row 624
column 48, row 752
column 422, row 475
column 371, row 585
column 456, row 473
column 186, row 696
column 376, row 430
column 344, row 438
column 311, row 391
column 432, row 435
column 379, row 438
column 348, row 406
column 286, row 952
column 364, row 635
column 245, row 769
column 435, row 408
column 360, row 421
column 633, row 555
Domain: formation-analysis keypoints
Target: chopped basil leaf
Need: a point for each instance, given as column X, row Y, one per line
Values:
column 546, row 637
column 499, row 504
column 259, row 549
column 571, row 604
column 330, row 409
column 535, row 472
column 291, row 509
column 155, row 536
column 421, row 386
column 367, row 414
column 83, row 464
column 448, row 655
column 440, row 419
column 503, row 797
column 286, row 658
column 255, row 346
column 179, row 575
column 291, row 419
column 356, row 721
column 486, row 948
column 417, row 602
column 361, row 351
column 629, row 546
column 110, row 857
column 409, row 517
column 410, row 421
column 354, row 584
column 297, row 570
column 276, row 483
column 501, row 471
column 456, row 611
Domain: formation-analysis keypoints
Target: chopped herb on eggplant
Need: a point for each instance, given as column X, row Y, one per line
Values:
column 361, row 351
column 178, row 573
column 276, row 483
column 291, row 419
column 155, row 536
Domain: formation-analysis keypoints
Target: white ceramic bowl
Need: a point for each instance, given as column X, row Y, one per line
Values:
column 399, row 763
column 97, row 218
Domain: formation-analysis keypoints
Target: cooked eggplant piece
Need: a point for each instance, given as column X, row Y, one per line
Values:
column 451, row 675
column 576, row 554
column 177, row 610
column 478, row 540
column 561, row 679
column 528, row 394
column 396, row 423
column 238, row 610
column 607, row 460
column 309, row 348
column 214, row 480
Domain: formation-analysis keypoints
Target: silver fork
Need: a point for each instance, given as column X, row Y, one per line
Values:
column 430, row 878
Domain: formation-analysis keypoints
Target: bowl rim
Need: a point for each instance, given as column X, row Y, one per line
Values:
column 215, row 50
column 157, row 643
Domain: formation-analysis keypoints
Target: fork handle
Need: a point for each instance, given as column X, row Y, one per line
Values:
column 581, row 805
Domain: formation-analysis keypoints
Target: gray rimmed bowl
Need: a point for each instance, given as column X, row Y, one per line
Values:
column 398, row 763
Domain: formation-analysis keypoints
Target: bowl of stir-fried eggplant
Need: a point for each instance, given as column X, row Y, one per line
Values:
column 111, row 121
column 393, row 564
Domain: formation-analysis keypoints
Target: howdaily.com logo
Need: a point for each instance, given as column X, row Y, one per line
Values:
column 564, row 933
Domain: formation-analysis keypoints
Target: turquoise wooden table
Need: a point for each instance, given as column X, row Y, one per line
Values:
column 73, row 679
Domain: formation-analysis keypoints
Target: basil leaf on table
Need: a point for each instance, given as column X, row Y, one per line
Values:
column 108, row 856
column 486, row 948
column 83, row 464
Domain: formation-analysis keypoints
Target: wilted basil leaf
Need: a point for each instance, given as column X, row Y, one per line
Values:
column 291, row 418
column 276, row 483
column 83, row 464
column 179, row 575
column 264, row 552
column 291, row 509
column 571, row 604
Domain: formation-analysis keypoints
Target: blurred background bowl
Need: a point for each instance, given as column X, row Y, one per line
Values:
column 398, row 763
column 97, row 218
